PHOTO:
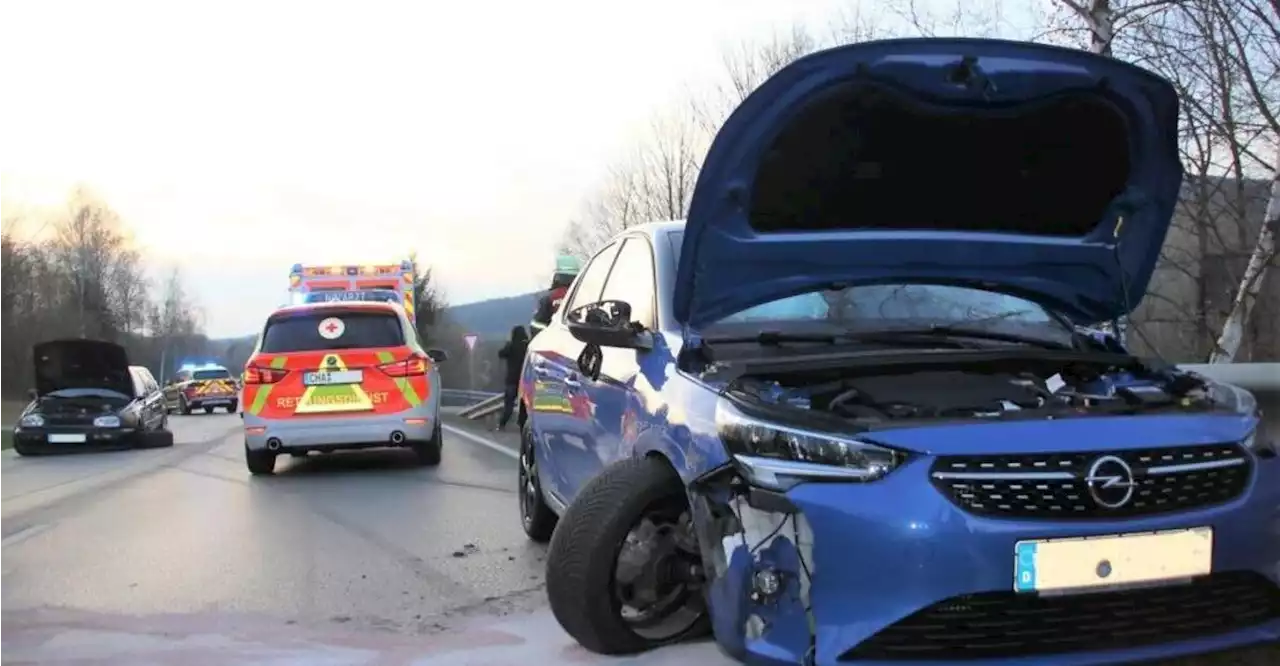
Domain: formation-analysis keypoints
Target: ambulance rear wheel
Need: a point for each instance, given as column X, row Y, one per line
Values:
column 231, row 409
column 428, row 452
column 208, row 410
column 260, row 463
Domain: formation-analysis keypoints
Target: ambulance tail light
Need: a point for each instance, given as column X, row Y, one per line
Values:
column 413, row 366
column 256, row 375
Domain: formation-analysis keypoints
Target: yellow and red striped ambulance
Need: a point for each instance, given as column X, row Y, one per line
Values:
column 341, row 375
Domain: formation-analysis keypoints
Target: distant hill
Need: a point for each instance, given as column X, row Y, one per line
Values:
column 493, row 317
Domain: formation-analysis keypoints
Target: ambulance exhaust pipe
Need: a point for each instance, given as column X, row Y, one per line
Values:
column 273, row 444
column 397, row 438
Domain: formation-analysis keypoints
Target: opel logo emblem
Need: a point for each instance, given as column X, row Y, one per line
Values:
column 1110, row 482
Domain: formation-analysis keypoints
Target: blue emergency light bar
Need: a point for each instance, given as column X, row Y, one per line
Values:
column 382, row 295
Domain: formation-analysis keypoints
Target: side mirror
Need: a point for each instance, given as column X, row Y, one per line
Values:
column 608, row 324
column 438, row 355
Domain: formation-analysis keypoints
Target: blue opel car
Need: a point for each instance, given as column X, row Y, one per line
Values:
column 850, row 411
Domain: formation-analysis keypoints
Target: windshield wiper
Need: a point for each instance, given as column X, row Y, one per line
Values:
column 970, row 331
column 774, row 338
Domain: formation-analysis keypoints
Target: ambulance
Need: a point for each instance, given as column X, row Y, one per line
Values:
column 331, row 283
column 329, row 376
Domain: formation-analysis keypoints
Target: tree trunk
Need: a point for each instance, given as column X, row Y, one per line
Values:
column 1255, row 273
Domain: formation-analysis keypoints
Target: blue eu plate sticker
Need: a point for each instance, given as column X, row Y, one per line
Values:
column 1025, row 567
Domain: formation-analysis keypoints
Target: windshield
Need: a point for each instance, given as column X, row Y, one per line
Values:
column 220, row 373
column 878, row 307
column 341, row 330
column 886, row 307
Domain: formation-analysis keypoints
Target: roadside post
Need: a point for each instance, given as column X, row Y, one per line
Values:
column 470, row 340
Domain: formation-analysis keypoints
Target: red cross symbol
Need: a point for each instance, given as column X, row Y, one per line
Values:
column 333, row 326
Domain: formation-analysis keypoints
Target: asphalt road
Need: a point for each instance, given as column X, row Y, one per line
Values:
column 178, row 556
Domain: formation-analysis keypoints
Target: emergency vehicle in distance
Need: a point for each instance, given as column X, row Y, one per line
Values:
column 327, row 376
column 376, row 282
column 206, row 387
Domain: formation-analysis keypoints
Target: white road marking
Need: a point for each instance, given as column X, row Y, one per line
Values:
column 482, row 441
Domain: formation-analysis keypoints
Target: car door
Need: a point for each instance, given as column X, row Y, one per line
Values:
column 560, row 415
column 616, row 394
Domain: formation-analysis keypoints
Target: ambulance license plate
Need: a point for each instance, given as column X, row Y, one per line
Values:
column 327, row 378
column 1067, row 565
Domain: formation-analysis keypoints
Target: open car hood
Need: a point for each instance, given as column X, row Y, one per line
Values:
column 1039, row 171
column 64, row 364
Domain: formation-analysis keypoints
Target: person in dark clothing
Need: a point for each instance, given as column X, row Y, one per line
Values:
column 513, row 354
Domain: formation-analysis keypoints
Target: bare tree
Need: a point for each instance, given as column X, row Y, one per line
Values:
column 83, row 278
column 1251, row 44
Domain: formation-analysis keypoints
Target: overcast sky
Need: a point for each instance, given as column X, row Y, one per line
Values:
column 239, row 138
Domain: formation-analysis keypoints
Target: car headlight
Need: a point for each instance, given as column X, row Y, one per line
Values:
column 1233, row 397
column 31, row 421
column 781, row 456
column 1243, row 402
column 107, row 422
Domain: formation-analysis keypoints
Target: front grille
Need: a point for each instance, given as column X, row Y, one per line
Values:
column 71, row 419
column 1057, row 485
column 996, row 625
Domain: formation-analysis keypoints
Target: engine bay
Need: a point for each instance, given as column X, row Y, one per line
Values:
column 871, row 396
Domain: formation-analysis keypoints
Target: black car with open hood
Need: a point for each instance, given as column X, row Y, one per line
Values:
column 87, row 396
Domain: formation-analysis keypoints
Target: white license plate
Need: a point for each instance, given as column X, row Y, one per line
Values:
column 1062, row 565
column 324, row 378
column 66, row 439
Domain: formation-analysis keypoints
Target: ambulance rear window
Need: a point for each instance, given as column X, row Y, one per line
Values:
column 332, row 329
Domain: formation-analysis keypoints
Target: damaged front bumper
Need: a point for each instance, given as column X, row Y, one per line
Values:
column 894, row 572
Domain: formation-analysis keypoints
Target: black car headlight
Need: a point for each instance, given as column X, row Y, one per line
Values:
column 108, row 421
column 780, row 456
column 31, row 421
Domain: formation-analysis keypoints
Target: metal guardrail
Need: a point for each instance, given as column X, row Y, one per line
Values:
column 468, row 394
column 1256, row 377
column 464, row 398
column 483, row 408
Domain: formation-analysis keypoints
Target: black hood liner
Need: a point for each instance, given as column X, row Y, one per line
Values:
column 67, row 364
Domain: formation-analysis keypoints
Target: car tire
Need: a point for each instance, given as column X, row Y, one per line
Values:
column 154, row 439
column 208, row 410
column 428, row 452
column 582, row 559
column 260, row 463
column 538, row 520
column 231, row 408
